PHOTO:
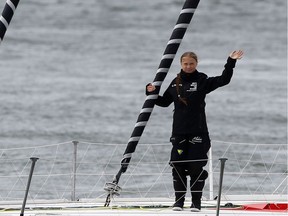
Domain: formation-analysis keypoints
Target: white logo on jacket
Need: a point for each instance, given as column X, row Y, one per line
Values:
column 193, row 87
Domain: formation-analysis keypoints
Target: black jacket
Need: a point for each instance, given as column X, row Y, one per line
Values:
column 191, row 118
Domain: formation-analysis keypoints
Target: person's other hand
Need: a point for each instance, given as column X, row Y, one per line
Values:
column 151, row 88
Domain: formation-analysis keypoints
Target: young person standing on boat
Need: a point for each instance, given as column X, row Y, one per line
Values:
column 190, row 136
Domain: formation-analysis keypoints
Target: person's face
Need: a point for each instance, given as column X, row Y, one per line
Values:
column 188, row 64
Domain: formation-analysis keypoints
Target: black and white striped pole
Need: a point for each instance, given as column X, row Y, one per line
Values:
column 6, row 16
column 173, row 44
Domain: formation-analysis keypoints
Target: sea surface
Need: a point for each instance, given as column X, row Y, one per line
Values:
column 77, row 70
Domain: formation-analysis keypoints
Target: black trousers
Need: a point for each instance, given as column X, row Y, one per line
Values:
column 188, row 157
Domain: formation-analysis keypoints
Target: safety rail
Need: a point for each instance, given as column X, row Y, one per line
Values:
column 78, row 170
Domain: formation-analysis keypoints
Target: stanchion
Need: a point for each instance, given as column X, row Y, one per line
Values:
column 73, row 192
column 222, row 161
column 33, row 159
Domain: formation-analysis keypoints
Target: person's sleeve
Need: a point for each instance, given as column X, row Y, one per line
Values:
column 162, row 101
column 213, row 83
column 165, row 100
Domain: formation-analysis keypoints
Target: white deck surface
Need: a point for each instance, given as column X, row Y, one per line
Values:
column 131, row 207
column 167, row 212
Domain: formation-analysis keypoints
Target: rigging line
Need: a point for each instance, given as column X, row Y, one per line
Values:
column 147, row 163
column 85, row 153
column 137, row 164
column 218, row 141
column 155, row 158
column 80, row 163
column 49, row 174
column 3, row 154
column 131, row 175
column 18, row 176
column 268, row 170
column 285, row 188
column 87, row 163
column 261, row 182
column 196, row 180
column 161, row 171
column 188, row 161
column 183, row 182
column 106, row 144
column 257, row 161
column 276, row 157
column 228, row 148
column 110, row 159
column 159, row 176
column 32, row 147
column 285, row 179
column 238, row 162
column 36, row 175
column 166, row 186
column 104, row 169
column 103, row 174
column 96, row 183
column 242, row 170
column 242, row 143
column 251, row 173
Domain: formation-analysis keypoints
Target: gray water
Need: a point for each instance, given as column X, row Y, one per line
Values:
column 77, row 70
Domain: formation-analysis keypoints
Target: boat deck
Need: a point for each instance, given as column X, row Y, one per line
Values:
column 156, row 206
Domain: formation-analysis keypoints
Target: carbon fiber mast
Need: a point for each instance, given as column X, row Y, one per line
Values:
column 173, row 44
